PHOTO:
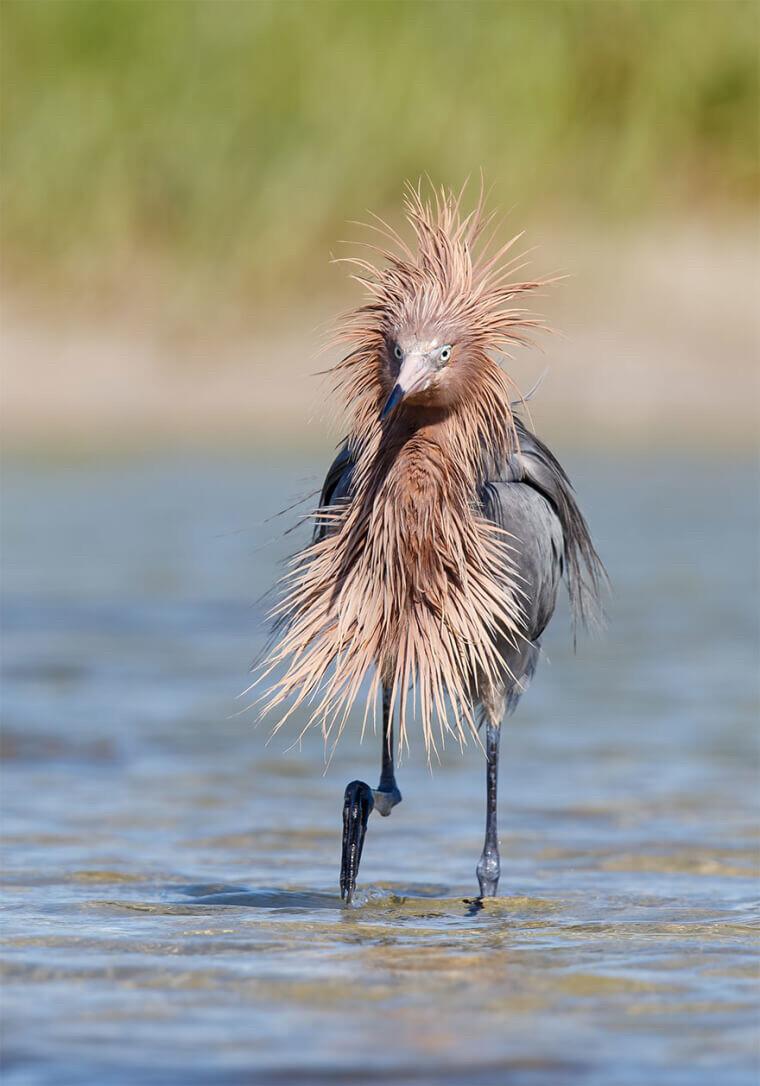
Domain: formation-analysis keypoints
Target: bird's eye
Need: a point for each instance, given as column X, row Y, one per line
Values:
column 445, row 354
column 398, row 352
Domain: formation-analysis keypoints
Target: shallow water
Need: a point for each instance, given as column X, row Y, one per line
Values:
column 171, row 911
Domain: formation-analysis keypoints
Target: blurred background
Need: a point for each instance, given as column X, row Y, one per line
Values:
column 176, row 179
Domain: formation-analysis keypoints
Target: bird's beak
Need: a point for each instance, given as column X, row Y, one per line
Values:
column 412, row 377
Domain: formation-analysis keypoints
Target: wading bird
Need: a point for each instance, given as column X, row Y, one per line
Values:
column 444, row 525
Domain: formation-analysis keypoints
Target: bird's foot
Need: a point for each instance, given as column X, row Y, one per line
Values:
column 386, row 799
column 488, row 871
column 358, row 803
column 488, row 888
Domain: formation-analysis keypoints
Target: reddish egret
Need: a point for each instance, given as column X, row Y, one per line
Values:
column 444, row 526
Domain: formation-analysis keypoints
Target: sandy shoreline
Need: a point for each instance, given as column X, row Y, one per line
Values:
column 659, row 342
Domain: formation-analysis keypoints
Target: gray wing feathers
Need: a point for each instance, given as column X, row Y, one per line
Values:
column 534, row 502
column 535, row 546
column 585, row 575
column 336, row 487
column 535, row 554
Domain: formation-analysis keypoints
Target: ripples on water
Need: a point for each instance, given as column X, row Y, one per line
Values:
column 170, row 902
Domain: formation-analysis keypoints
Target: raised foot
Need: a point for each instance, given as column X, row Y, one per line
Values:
column 385, row 801
column 358, row 803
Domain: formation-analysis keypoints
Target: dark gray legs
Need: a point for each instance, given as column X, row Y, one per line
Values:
column 387, row 794
column 360, row 800
column 489, row 868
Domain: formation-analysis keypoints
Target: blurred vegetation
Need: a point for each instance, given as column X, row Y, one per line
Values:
column 233, row 140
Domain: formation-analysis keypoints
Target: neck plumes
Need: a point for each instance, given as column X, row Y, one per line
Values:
column 411, row 585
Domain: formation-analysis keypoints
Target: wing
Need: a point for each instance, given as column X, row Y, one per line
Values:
column 534, row 502
column 336, row 487
column 535, row 547
column 534, row 466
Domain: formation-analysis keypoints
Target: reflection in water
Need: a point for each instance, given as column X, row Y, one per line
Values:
column 171, row 909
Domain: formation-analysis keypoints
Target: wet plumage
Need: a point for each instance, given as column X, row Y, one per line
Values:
column 444, row 526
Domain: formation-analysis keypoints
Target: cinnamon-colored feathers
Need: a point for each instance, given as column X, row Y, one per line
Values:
column 406, row 582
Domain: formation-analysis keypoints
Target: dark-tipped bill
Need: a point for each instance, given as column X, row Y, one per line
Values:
column 393, row 400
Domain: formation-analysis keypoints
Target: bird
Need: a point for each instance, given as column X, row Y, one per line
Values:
column 444, row 526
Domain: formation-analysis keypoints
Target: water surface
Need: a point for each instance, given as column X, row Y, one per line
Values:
column 171, row 911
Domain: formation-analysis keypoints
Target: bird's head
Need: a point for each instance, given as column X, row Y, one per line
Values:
column 440, row 312
column 417, row 365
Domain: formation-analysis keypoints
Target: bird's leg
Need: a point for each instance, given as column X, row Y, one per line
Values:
column 489, row 867
column 387, row 795
column 360, row 800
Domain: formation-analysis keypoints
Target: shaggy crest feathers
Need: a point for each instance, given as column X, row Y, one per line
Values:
column 405, row 579
column 449, row 282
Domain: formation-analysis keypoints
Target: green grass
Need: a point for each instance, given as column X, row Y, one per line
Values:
column 233, row 140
